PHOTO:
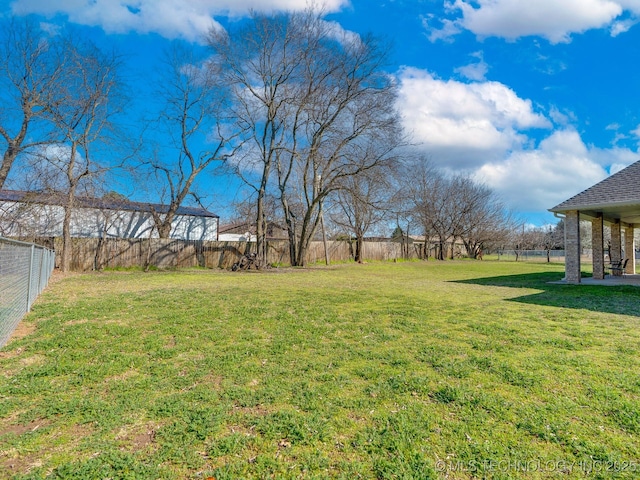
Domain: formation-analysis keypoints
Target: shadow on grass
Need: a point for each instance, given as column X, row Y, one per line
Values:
column 624, row 300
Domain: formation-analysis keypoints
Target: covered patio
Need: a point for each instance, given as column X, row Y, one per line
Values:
column 615, row 202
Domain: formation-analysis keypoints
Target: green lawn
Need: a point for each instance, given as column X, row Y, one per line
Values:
column 409, row 370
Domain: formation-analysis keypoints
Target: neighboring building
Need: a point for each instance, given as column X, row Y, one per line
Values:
column 246, row 232
column 39, row 214
column 237, row 237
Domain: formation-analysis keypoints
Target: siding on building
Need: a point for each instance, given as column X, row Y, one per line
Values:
column 24, row 214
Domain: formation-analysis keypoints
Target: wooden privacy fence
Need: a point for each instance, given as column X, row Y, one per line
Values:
column 97, row 254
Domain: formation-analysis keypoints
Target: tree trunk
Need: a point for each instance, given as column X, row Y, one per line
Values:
column 164, row 229
column 67, row 247
column 7, row 161
column 261, row 219
column 15, row 146
column 359, row 246
column 301, row 258
column 291, row 226
column 307, row 232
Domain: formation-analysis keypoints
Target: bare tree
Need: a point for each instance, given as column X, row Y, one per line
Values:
column 317, row 102
column 483, row 220
column 195, row 128
column 452, row 208
column 432, row 202
column 523, row 238
column 552, row 239
column 545, row 238
column 30, row 69
column 88, row 98
column 402, row 203
column 344, row 126
column 257, row 61
column 362, row 202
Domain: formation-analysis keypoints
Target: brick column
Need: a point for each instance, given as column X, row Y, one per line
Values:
column 597, row 240
column 572, row 247
column 616, row 242
column 630, row 250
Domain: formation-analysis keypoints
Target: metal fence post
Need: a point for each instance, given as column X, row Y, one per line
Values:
column 41, row 273
column 33, row 248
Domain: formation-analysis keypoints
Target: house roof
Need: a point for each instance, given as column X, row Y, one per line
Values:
column 105, row 203
column 616, row 197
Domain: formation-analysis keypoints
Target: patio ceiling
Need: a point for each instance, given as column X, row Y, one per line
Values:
column 627, row 214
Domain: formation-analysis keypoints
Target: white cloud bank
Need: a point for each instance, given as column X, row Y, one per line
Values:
column 552, row 19
column 464, row 124
column 487, row 130
column 170, row 18
column 539, row 179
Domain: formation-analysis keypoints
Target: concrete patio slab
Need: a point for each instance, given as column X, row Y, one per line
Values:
column 608, row 281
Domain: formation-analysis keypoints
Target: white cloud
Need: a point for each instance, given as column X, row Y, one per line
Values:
column 622, row 26
column 474, row 71
column 464, row 125
column 551, row 19
column 50, row 29
column 448, row 29
column 559, row 168
column 341, row 35
column 561, row 118
column 613, row 159
column 540, row 179
column 170, row 18
column 486, row 129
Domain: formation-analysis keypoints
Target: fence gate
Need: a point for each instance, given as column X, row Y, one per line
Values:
column 25, row 269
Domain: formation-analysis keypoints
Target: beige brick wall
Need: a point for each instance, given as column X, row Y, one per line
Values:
column 572, row 247
column 597, row 244
column 616, row 242
column 630, row 249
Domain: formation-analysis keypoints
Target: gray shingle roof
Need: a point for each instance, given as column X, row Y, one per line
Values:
column 620, row 189
column 57, row 198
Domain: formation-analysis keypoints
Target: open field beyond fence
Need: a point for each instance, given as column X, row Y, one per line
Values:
column 385, row 370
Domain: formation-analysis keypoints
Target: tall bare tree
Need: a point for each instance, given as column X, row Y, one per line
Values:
column 88, row 99
column 31, row 66
column 257, row 60
column 196, row 126
column 317, row 101
column 431, row 200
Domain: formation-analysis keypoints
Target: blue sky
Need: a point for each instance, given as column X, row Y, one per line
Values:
column 537, row 99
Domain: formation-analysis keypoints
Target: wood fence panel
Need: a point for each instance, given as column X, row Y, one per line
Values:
column 96, row 253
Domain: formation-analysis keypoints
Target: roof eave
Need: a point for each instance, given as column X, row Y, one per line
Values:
column 600, row 206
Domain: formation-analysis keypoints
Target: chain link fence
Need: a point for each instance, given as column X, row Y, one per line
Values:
column 556, row 256
column 25, row 269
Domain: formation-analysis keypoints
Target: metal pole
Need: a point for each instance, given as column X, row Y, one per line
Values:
column 43, row 271
column 33, row 247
